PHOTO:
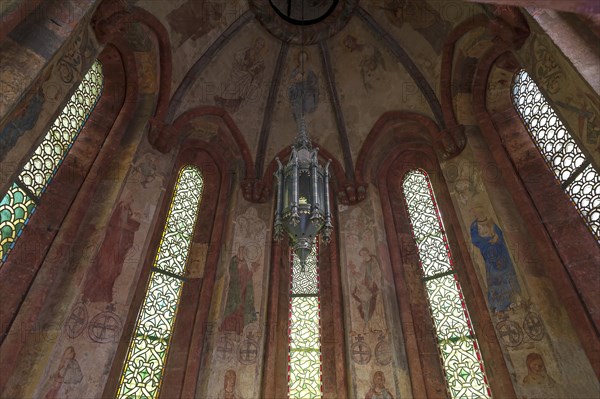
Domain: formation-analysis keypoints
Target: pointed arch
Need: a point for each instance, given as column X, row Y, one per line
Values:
column 457, row 345
column 144, row 366
column 70, row 193
column 571, row 167
column 332, row 338
column 182, row 363
column 569, row 252
column 414, row 149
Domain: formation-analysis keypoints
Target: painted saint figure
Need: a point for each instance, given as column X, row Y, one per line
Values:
column 68, row 373
column 229, row 390
column 245, row 77
column 502, row 284
column 537, row 383
column 536, row 371
column 378, row 390
column 108, row 264
column 239, row 308
column 303, row 91
column 370, row 62
column 367, row 291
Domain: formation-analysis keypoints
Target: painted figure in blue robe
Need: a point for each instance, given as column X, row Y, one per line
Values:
column 24, row 121
column 303, row 91
column 502, row 282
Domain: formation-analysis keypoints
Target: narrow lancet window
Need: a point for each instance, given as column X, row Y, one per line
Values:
column 23, row 196
column 144, row 365
column 458, row 347
column 304, row 359
column 572, row 169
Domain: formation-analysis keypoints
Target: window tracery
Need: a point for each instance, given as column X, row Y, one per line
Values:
column 458, row 348
column 562, row 154
column 304, row 358
column 148, row 349
column 24, row 195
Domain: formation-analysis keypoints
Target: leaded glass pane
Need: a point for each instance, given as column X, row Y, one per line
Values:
column 446, row 308
column 143, row 369
column 173, row 249
column 18, row 205
column 15, row 209
column 48, row 156
column 148, row 350
column 426, row 225
column 559, row 149
column 304, row 324
column 463, row 369
column 549, row 134
column 585, row 193
column 305, row 281
column 304, row 367
column 305, row 374
column 305, row 348
column 460, row 355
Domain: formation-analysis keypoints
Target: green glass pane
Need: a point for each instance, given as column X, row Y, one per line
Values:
column 463, row 369
column 47, row 157
column 148, row 350
column 143, row 369
column 15, row 209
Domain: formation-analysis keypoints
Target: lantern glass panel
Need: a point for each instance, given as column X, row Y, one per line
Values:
column 305, row 189
column 321, row 190
column 287, row 189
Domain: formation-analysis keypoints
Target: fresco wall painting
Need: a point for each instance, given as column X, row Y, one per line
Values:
column 234, row 343
column 374, row 340
column 95, row 320
column 530, row 323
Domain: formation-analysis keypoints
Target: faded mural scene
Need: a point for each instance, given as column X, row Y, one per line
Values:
column 162, row 162
column 371, row 313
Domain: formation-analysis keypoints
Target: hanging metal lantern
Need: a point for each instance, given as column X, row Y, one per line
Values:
column 302, row 209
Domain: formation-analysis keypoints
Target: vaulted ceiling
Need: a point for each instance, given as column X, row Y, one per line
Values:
column 343, row 73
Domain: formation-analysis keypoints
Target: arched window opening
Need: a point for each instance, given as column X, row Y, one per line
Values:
column 304, row 331
column 148, row 349
column 22, row 198
column 457, row 345
column 574, row 172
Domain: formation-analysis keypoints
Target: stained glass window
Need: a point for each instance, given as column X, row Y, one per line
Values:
column 20, row 201
column 458, row 347
column 304, row 360
column 574, row 172
column 144, row 365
